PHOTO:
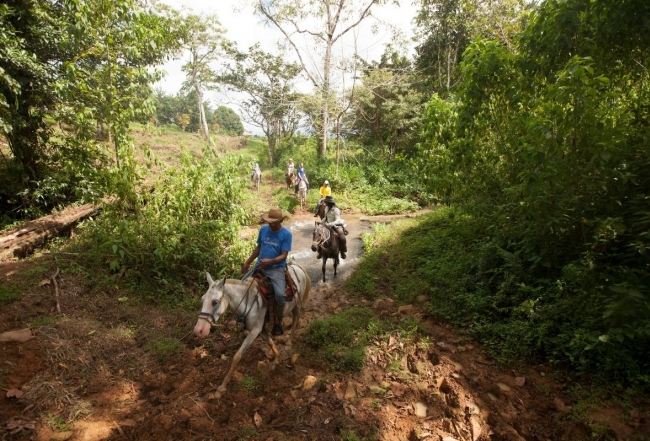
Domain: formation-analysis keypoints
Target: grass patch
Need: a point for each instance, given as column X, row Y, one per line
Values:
column 8, row 293
column 250, row 384
column 164, row 347
column 341, row 340
column 42, row 321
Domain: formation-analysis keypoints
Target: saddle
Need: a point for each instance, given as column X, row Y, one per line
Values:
column 266, row 287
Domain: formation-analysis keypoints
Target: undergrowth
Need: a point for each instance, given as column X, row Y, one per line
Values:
column 340, row 341
column 473, row 282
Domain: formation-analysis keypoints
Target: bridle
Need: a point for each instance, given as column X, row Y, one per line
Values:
column 211, row 317
column 325, row 235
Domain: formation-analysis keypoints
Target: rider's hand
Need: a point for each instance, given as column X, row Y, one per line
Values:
column 264, row 262
column 245, row 267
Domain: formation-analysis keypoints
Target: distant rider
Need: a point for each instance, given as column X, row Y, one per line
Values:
column 324, row 191
column 333, row 221
column 290, row 167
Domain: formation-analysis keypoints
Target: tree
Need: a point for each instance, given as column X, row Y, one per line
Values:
column 86, row 65
column 446, row 28
column 228, row 121
column 269, row 84
column 202, row 39
column 335, row 19
column 387, row 108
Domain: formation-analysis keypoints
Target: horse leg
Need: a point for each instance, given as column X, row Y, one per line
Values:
column 235, row 360
column 324, row 262
column 274, row 348
column 336, row 263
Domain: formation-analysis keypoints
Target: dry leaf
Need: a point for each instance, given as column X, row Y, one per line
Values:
column 14, row 393
column 20, row 336
column 44, row 282
column 257, row 419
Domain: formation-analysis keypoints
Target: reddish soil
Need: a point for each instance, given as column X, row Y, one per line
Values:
column 91, row 374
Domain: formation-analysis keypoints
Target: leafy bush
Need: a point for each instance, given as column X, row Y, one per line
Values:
column 188, row 224
column 477, row 284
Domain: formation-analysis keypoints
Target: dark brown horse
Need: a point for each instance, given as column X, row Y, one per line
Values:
column 290, row 179
column 327, row 242
column 321, row 211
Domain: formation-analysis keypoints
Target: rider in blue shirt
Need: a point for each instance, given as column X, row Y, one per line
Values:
column 273, row 246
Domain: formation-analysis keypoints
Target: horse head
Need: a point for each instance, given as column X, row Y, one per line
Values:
column 319, row 237
column 214, row 304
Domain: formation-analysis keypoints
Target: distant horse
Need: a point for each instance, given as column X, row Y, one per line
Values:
column 321, row 210
column 256, row 177
column 243, row 299
column 290, row 179
column 326, row 241
column 302, row 191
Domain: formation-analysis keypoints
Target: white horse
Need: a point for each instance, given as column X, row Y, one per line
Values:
column 302, row 190
column 244, row 300
column 256, row 177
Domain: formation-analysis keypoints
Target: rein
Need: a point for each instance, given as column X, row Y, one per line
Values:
column 211, row 317
column 323, row 240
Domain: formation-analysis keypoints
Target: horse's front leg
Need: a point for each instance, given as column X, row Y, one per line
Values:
column 324, row 263
column 336, row 263
column 252, row 335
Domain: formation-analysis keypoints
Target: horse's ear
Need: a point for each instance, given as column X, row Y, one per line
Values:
column 209, row 277
column 223, row 282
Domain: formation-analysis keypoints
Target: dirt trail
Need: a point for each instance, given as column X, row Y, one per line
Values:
column 89, row 375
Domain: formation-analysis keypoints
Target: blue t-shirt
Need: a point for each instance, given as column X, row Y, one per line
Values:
column 272, row 244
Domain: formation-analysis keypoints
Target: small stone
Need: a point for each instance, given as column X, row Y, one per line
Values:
column 309, row 382
column 520, row 381
column 406, row 310
column 504, row 387
column 455, row 375
column 559, row 405
column 420, row 409
column 61, row 436
column 491, row 396
column 422, row 298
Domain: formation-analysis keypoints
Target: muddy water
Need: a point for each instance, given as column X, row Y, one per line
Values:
column 302, row 228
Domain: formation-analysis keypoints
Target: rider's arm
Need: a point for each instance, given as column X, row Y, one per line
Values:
column 253, row 256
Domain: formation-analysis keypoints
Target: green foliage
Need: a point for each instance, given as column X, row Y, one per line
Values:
column 340, row 340
column 228, row 121
column 187, row 225
column 8, row 293
column 250, row 384
column 164, row 347
column 86, row 67
column 491, row 292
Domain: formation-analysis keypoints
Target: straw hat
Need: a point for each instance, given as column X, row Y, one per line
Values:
column 274, row 215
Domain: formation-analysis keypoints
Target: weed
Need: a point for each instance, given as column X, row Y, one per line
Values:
column 8, row 293
column 164, row 347
column 58, row 423
column 42, row 320
column 250, row 384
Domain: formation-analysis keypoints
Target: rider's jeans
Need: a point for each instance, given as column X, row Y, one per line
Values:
column 276, row 275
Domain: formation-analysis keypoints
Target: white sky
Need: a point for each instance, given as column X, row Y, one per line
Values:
column 244, row 28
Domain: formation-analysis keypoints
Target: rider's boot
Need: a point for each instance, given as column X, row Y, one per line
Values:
column 277, row 328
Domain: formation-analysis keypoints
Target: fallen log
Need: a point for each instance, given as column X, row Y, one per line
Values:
column 21, row 241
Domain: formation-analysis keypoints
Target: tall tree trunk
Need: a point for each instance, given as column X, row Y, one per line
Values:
column 202, row 121
column 322, row 144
